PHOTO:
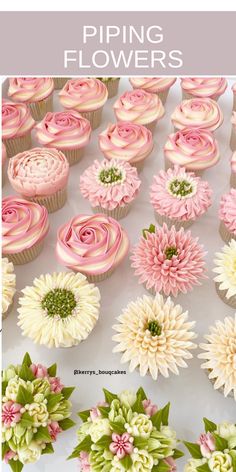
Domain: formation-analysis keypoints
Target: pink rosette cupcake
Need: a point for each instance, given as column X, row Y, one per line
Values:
column 17, row 124
column 87, row 96
column 233, row 171
column 4, row 158
column 66, row 131
column 24, row 227
column 193, row 148
column 41, row 176
column 110, row 187
column 37, row 92
column 112, row 85
column 128, row 142
column 158, row 85
column 203, row 87
column 202, row 113
column 168, row 261
column 234, row 94
column 93, row 245
column 227, row 215
column 179, row 197
column 59, row 82
column 139, row 107
column 233, row 132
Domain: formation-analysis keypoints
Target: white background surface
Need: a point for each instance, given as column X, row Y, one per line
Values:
column 191, row 394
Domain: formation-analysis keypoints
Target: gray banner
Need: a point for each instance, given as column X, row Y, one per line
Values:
column 117, row 43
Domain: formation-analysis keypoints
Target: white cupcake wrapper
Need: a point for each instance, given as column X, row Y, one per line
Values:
column 233, row 180
column 225, row 234
column 73, row 155
column 52, row 202
column 100, row 277
column 39, row 109
column 16, row 145
column 163, row 95
column 151, row 126
column 117, row 213
column 222, row 295
column 234, row 102
column 27, row 255
column 59, row 82
column 188, row 96
column 233, row 139
column 172, row 221
column 112, row 87
column 94, row 117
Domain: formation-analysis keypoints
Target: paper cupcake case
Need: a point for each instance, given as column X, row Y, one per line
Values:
column 222, row 294
column 163, row 95
column 59, row 82
column 52, row 202
column 25, row 256
column 117, row 213
column 73, row 155
column 172, row 221
column 16, row 145
column 188, row 96
column 225, row 234
column 39, row 109
column 112, row 87
column 151, row 126
column 92, row 278
column 94, row 117
column 169, row 164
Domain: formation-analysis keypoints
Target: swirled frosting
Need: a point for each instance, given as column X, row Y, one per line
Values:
column 83, row 94
column 8, row 284
column 210, row 87
column 194, row 148
column 126, row 141
column 180, row 194
column 16, row 119
column 197, row 113
column 227, row 210
column 139, row 106
column 110, row 184
column 30, row 89
column 63, row 130
column 225, row 269
column 233, row 119
column 4, row 154
column 233, row 163
column 91, row 244
column 152, row 84
column 24, row 224
column 38, row 172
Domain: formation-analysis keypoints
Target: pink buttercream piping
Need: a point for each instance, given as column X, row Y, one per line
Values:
column 198, row 113
column 139, row 106
column 16, row 119
column 210, row 87
column 227, row 210
column 83, row 94
column 152, row 84
column 30, row 89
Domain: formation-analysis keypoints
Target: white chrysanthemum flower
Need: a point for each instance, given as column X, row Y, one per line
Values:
column 226, row 269
column 155, row 336
column 8, row 285
column 59, row 310
column 220, row 355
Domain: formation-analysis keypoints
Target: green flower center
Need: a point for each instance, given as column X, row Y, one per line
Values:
column 170, row 252
column 59, row 302
column 111, row 176
column 181, row 188
column 155, row 328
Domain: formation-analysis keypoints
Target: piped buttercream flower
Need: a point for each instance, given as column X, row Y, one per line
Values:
column 210, row 87
column 11, row 413
column 8, row 284
column 226, row 269
column 139, row 106
column 207, row 444
column 16, row 120
column 83, row 94
column 152, row 84
column 227, row 211
column 121, row 445
column 54, row 429
column 30, row 89
column 197, row 113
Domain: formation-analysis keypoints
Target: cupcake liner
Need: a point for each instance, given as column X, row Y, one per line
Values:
column 222, row 294
column 16, row 145
column 59, row 82
column 92, row 278
column 39, row 109
column 52, row 202
column 234, row 102
column 221, row 389
column 225, row 234
column 233, row 180
column 189, row 96
column 151, row 126
column 112, row 87
column 172, row 221
column 139, row 165
column 117, row 213
column 73, row 155
column 233, row 139
column 163, row 95
column 27, row 255
column 94, row 116
column 170, row 165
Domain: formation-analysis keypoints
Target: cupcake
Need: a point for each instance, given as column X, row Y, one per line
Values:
column 203, row 87
column 4, row 158
column 234, row 94
column 139, row 107
column 233, row 132
column 87, row 96
column 194, row 148
column 110, row 187
column 17, row 124
column 227, row 215
column 93, row 245
column 24, row 227
column 59, row 82
column 225, row 269
column 154, row 336
column 158, row 85
column 8, row 286
column 179, row 197
column 66, row 131
column 41, row 176
column 128, row 142
column 197, row 113
column 59, row 309
column 219, row 356
column 233, row 171
column 37, row 92
column 168, row 261
column 112, row 85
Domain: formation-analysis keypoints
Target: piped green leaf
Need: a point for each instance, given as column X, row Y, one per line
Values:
column 141, row 394
column 104, row 410
column 4, row 386
column 16, row 466
column 67, row 392
column 161, row 467
column 151, row 229
column 52, row 370
column 24, row 396
column 84, row 415
column 117, row 427
column 104, row 442
column 126, row 462
column 53, row 399
column 165, row 414
column 27, row 360
column 109, row 397
column 177, row 454
column 203, row 468
column 220, row 443
column 194, row 450
column 48, row 449
column 67, row 423
column 210, row 427
column 42, row 434
column 85, row 445
column 26, row 420
column 156, row 419
column 26, row 373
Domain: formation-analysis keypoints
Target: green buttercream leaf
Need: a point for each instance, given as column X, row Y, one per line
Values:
column 165, row 414
column 67, row 423
column 4, row 386
column 84, row 415
column 48, row 449
column 16, row 466
column 203, row 468
column 104, row 410
column 67, row 392
column 42, row 434
column 52, row 370
column 26, row 373
column 210, row 427
column 23, row 396
column 156, row 419
column 194, row 450
column 109, row 397
column 104, row 442
column 85, row 446
column 141, row 394
column 177, row 454
column 26, row 420
column 117, row 427
column 220, row 443
column 161, row 467
column 27, row 360
column 53, row 399
column 126, row 462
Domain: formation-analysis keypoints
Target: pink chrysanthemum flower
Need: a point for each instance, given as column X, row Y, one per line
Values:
column 11, row 413
column 168, row 261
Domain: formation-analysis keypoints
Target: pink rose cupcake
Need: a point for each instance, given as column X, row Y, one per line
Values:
column 87, row 96
column 59, row 82
column 233, row 132
column 24, row 227
column 112, row 85
column 168, row 261
column 197, row 113
column 66, row 131
column 158, row 85
column 110, row 187
column 234, row 94
column 4, row 158
column 193, row 148
column 179, row 197
column 203, row 87
column 227, row 215
column 41, row 176
column 233, row 171
column 139, row 107
column 37, row 92
column 93, row 245
column 17, row 124
column 128, row 142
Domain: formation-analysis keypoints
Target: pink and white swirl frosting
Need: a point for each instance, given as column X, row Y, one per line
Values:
column 227, row 210
column 110, row 184
column 91, row 244
column 209, row 87
column 152, row 84
column 233, row 163
column 233, row 120
column 126, row 141
column 24, row 224
column 4, row 154
column 30, row 89
column 38, row 172
column 63, row 130
column 180, row 194
column 139, row 106
column 195, row 148
column 202, row 113
column 83, row 94
column 16, row 119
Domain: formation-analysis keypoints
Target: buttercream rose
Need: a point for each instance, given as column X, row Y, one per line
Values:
column 30, row 89
column 13, row 387
column 39, row 413
column 139, row 107
column 140, row 426
column 211, row 87
column 228, row 431
column 83, row 94
column 142, row 461
column 197, row 113
column 152, row 84
column 29, row 454
column 99, row 427
column 220, row 462
column 16, row 120
column 128, row 398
